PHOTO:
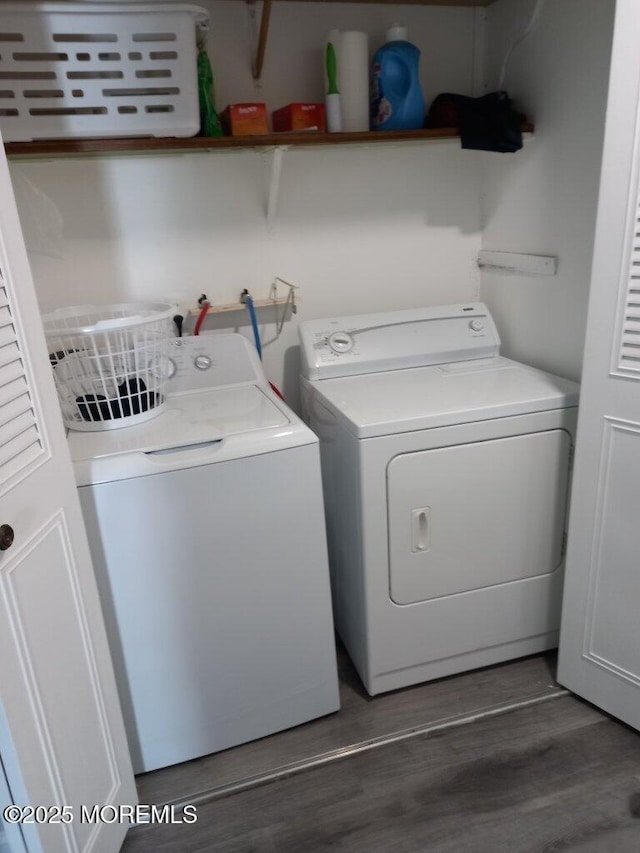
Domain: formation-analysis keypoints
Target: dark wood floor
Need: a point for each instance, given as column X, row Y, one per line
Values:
column 554, row 775
column 360, row 719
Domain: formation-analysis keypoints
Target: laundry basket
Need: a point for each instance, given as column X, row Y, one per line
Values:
column 110, row 363
column 86, row 70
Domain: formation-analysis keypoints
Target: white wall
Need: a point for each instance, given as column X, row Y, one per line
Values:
column 294, row 62
column 358, row 229
column 543, row 199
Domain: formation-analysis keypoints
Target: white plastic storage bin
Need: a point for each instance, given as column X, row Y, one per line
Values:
column 79, row 70
column 110, row 363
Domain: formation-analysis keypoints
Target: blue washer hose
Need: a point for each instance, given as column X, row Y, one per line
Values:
column 251, row 308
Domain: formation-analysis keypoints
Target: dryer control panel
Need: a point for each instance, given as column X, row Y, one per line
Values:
column 370, row 343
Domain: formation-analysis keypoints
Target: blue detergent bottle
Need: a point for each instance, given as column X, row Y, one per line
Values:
column 395, row 97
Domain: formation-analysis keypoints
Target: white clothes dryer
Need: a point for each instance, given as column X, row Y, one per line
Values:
column 207, row 535
column 446, row 472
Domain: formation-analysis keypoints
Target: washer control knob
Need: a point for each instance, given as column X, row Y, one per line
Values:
column 476, row 325
column 202, row 362
column 341, row 342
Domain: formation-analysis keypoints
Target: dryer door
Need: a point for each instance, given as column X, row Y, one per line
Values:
column 476, row 515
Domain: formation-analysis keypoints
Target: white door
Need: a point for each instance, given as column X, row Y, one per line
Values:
column 62, row 738
column 457, row 521
column 600, row 635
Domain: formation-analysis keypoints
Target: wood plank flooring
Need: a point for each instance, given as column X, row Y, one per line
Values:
column 360, row 719
column 557, row 776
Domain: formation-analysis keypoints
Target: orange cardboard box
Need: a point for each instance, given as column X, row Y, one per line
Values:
column 298, row 117
column 245, row 120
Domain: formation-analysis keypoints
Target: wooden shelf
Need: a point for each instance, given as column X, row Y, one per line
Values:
column 81, row 147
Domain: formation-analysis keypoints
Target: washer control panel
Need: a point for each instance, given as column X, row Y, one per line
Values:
column 368, row 343
column 212, row 361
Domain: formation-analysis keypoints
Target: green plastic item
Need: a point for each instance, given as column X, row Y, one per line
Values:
column 332, row 72
column 209, row 121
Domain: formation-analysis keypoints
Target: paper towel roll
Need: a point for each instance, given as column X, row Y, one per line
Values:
column 353, row 79
column 332, row 100
column 352, row 58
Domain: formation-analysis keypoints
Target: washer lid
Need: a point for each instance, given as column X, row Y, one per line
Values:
column 398, row 401
column 234, row 422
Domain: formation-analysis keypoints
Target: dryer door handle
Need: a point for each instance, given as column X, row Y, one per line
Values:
column 420, row 529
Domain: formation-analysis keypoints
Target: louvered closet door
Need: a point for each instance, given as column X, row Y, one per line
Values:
column 627, row 348
column 62, row 738
column 20, row 444
column 600, row 635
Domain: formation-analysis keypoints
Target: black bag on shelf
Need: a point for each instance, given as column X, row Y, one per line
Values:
column 488, row 123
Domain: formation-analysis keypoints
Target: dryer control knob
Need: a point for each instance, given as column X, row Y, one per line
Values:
column 341, row 342
column 476, row 325
column 202, row 362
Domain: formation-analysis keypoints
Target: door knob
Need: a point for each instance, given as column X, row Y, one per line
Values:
column 6, row 536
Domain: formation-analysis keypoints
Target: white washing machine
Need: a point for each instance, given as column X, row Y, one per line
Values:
column 207, row 534
column 446, row 474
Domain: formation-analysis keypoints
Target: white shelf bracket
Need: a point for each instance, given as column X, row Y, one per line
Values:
column 274, row 186
column 516, row 262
